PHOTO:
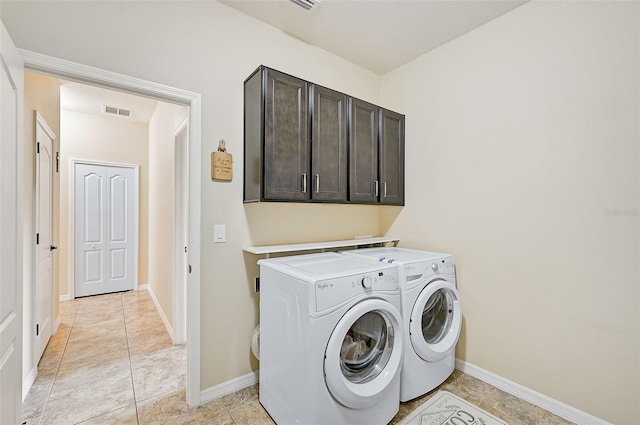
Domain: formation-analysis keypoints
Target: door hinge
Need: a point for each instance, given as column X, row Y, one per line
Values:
column 37, row 238
column 185, row 249
column 38, row 147
column 37, row 329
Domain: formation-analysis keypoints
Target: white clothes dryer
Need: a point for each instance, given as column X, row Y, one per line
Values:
column 432, row 317
column 331, row 340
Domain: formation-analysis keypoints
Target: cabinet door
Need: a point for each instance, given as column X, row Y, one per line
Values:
column 329, row 145
column 391, row 158
column 286, row 138
column 363, row 148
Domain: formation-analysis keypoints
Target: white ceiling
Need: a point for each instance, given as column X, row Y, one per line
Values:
column 91, row 100
column 379, row 35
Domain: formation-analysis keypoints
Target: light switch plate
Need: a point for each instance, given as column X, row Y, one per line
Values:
column 219, row 233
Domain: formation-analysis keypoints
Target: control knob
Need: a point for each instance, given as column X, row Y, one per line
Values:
column 366, row 282
column 434, row 267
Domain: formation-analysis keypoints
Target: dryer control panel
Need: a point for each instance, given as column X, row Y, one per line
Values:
column 414, row 274
column 335, row 291
column 440, row 266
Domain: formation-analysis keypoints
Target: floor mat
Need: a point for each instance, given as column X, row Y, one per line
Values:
column 445, row 408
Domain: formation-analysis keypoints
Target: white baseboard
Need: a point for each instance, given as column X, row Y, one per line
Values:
column 547, row 403
column 28, row 382
column 64, row 298
column 143, row 287
column 228, row 387
column 160, row 311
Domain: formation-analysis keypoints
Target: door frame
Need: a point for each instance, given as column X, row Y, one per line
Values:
column 40, row 121
column 72, row 217
column 72, row 71
column 181, row 225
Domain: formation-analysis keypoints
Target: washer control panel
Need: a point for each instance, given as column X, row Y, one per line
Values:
column 335, row 291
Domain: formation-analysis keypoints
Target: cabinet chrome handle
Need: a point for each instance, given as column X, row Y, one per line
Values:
column 384, row 189
column 375, row 188
column 304, row 182
column 317, row 177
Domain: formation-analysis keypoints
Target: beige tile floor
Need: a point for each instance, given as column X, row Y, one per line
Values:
column 112, row 362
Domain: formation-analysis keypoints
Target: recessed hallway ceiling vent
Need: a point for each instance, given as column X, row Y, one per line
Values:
column 306, row 4
column 116, row 111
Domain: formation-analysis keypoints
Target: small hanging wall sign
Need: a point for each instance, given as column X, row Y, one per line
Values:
column 221, row 163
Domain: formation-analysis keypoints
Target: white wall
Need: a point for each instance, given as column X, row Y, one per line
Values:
column 522, row 160
column 210, row 49
column 104, row 139
column 164, row 122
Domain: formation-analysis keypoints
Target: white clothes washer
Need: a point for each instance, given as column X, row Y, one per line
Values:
column 331, row 339
column 432, row 317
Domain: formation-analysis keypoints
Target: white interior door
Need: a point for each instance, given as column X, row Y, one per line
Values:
column 11, row 99
column 105, row 229
column 44, row 236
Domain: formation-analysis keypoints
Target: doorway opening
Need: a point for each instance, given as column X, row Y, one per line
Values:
column 190, row 168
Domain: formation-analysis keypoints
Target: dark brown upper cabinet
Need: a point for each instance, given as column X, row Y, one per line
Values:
column 286, row 137
column 364, row 186
column 376, row 148
column 329, row 145
column 391, row 157
column 305, row 142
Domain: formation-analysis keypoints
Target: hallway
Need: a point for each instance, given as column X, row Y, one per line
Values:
column 109, row 360
column 112, row 362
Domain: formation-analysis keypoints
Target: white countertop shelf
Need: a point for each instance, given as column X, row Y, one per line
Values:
column 272, row 249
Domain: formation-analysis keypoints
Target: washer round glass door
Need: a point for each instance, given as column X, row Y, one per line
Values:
column 436, row 321
column 364, row 353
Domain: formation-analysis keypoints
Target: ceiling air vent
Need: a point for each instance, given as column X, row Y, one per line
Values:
column 116, row 111
column 306, row 4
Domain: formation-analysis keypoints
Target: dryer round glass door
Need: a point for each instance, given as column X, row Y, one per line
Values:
column 436, row 321
column 364, row 353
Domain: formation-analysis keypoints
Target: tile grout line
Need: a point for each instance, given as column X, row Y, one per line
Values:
column 106, row 413
column 55, row 375
column 133, row 387
column 93, row 417
column 226, row 409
